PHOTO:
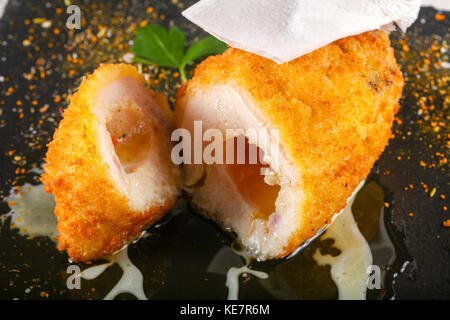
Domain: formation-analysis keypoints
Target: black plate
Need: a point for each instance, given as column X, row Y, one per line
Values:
column 40, row 66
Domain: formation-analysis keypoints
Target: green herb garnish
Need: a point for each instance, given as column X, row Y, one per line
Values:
column 167, row 48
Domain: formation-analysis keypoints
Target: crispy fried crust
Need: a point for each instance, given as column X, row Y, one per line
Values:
column 334, row 108
column 94, row 219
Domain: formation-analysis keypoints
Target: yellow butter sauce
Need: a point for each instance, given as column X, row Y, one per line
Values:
column 32, row 211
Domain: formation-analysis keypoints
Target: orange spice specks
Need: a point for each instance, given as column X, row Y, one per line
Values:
column 411, row 214
column 446, row 223
column 439, row 17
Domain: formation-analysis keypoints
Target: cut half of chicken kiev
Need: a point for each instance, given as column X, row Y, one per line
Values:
column 109, row 164
column 333, row 109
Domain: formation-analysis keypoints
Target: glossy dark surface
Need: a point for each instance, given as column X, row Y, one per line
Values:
column 175, row 257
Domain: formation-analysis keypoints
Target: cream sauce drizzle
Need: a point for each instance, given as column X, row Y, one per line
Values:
column 437, row 4
column 32, row 212
column 234, row 273
column 349, row 268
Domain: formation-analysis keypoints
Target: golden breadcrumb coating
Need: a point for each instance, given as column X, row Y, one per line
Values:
column 94, row 219
column 334, row 109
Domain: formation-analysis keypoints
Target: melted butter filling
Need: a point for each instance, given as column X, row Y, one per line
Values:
column 249, row 181
column 130, row 135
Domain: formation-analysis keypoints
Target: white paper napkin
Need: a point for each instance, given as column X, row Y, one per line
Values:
column 283, row 30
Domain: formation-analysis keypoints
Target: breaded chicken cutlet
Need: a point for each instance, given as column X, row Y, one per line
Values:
column 109, row 165
column 333, row 109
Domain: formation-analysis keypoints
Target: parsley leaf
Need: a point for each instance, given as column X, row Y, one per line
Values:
column 167, row 48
